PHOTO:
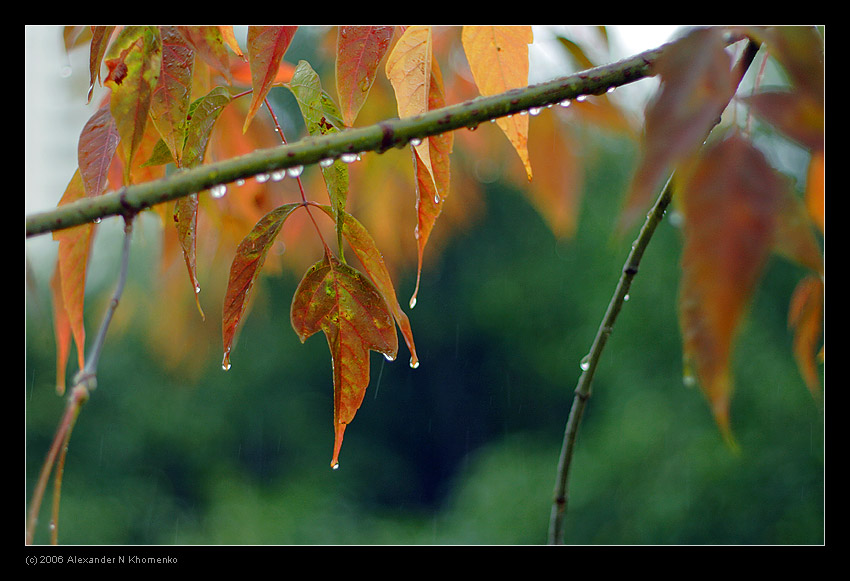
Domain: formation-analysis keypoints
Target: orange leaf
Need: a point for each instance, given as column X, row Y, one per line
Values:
column 72, row 262
column 266, row 46
column 354, row 316
column 61, row 329
column 498, row 58
column 696, row 86
column 729, row 202
column 250, row 256
column 99, row 42
column 133, row 60
column 805, row 315
column 376, row 269
column 409, row 70
column 815, row 190
column 210, row 44
column 359, row 49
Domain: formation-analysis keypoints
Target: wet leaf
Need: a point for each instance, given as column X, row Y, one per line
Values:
column 359, row 51
column 498, row 59
column 352, row 313
column 729, row 203
column 266, row 47
column 99, row 43
column 408, row 68
column 210, row 44
column 244, row 270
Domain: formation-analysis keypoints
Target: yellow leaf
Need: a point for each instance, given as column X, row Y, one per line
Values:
column 408, row 69
column 498, row 59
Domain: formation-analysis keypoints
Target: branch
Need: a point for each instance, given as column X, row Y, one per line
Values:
column 591, row 360
column 379, row 137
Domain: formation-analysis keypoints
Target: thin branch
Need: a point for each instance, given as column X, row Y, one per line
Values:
column 84, row 383
column 380, row 137
column 591, row 360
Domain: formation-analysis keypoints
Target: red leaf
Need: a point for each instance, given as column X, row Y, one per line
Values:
column 95, row 150
column 249, row 259
column 729, row 202
column 354, row 316
column 359, row 50
column 170, row 98
column 805, row 316
column 266, row 46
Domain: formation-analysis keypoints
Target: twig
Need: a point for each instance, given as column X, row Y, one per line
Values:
column 589, row 363
column 85, row 382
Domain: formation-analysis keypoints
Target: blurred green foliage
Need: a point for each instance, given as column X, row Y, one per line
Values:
column 464, row 449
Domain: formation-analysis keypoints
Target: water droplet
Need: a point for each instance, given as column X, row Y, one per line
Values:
column 278, row 175
column 348, row 157
column 197, row 288
column 334, row 465
column 523, row 112
column 436, row 198
column 261, row 177
column 581, row 98
column 534, row 111
column 295, row 171
column 625, row 298
column 412, row 302
column 218, row 191
column 240, row 182
column 611, row 89
column 585, row 363
column 326, row 162
column 225, row 363
column 565, row 103
column 389, row 357
column 97, row 220
column 415, row 141
column 414, row 363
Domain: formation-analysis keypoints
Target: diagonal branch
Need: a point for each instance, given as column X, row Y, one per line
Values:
column 379, row 137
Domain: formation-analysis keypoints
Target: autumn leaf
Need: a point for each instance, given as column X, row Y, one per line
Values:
column 696, row 85
column 266, row 47
column 408, row 69
column 97, row 48
column 133, row 59
column 244, row 270
column 95, row 150
column 498, row 59
column 172, row 95
column 729, row 203
column 815, row 190
column 805, row 316
column 210, row 44
column 370, row 257
column 71, row 266
column 359, row 50
column 352, row 313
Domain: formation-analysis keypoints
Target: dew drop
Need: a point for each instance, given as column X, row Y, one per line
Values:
column 262, row 177
column 625, row 298
column 295, row 171
column 611, row 89
column 335, row 466
column 414, row 363
column 278, row 175
column 225, row 363
column 240, row 182
column 389, row 357
column 218, row 191
column 581, row 98
column 534, row 111
column 412, row 302
column 326, row 162
column 436, row 198
column 348, row 157
column 585, row 363
column 565, row 103
column 415, row 142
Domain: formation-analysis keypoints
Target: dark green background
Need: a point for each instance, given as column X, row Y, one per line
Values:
column 462, row 450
